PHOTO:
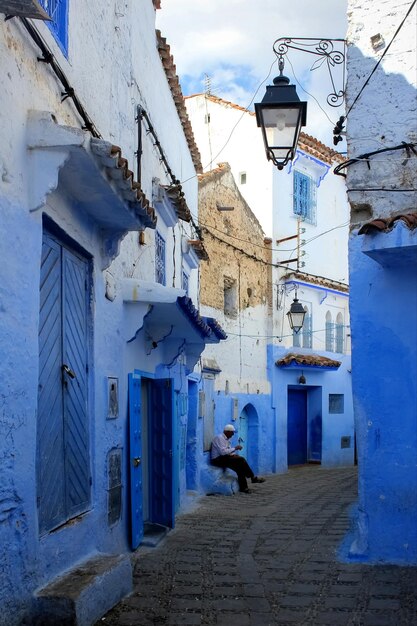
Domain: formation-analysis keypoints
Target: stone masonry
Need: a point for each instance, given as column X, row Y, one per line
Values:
column 270, row 557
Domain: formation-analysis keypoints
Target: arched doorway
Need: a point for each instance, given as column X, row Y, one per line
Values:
column 248, row 435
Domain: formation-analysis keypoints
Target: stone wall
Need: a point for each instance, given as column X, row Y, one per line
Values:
column 235, row 244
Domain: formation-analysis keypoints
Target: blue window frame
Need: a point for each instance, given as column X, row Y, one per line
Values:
column 58, row 11
column 160, row 273
column 185, row 281
column 304, row 198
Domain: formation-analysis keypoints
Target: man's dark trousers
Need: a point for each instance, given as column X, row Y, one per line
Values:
column 239, row 465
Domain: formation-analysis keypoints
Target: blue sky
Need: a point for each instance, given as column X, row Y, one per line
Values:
column 231, row 42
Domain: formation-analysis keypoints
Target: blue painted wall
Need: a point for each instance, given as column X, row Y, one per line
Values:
column 30, row 560
column 384, row 366
column 259, row 408
column 319, row 384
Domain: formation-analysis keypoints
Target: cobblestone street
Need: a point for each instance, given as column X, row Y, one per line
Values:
column 268, row 557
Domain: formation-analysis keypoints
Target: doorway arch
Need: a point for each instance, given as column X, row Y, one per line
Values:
column 248, row 432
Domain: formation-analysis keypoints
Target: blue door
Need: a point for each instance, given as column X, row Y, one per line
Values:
column 135, row 459
column 162, row 454
column 63, row 466
column 297, row 427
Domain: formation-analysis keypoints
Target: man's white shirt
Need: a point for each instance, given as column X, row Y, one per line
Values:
column 221, row 446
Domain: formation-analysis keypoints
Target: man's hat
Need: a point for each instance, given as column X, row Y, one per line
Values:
column 229, row 428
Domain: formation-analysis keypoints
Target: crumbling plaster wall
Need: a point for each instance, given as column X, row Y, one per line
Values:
column 237, row 228
column 239, row 254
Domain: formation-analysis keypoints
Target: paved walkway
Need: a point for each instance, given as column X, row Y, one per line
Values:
column 267, row 558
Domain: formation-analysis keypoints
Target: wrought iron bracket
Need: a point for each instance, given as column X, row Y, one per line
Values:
column 331, row 52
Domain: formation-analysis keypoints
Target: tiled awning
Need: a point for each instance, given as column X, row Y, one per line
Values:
column 167, row 319
column 385, row 224
column 391, row 241
column 307, row 361
column 92, row 173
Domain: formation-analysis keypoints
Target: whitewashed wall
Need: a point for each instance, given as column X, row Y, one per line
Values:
column 385, row 113
column 243, row 357
column 233, row 137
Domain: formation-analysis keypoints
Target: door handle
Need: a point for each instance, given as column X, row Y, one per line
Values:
column 68, row 371
column 136, row 461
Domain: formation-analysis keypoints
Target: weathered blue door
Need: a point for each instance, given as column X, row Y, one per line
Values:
column 162, row 454
column 135, row 459
column 63, row 468
column 297, row 427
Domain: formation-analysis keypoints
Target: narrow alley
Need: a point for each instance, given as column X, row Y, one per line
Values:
column 269, row 557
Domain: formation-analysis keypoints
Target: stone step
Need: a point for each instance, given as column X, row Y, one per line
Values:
column 84, row 594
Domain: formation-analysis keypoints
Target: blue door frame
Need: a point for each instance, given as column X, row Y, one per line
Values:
column 163, row 453
column 297, row 427
column 135, row 460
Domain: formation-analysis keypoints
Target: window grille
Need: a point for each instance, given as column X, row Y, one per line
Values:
column 160, row 275
column 58, row 11
column 296, row 340
column 339, row 333
column 185, row 281
column 304, row 197
column 336, row 403
column 307, row 331
column 329, row 333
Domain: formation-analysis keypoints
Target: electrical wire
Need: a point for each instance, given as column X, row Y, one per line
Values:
column 312, row 332
column 263, row 247
column 307, row 92
column 379, row 62
column 238, row 122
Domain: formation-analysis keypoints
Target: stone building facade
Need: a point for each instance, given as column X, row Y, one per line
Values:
column 236, row 290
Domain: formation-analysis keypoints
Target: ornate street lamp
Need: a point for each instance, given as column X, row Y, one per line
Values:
column 281, row 115
column 296, row 315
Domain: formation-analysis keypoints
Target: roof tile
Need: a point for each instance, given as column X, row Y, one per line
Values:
column 174, row 84
column 307, row 359
column 385, row 224
column 117, row 169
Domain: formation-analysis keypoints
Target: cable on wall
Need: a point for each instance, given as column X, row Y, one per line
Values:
column 408, row 147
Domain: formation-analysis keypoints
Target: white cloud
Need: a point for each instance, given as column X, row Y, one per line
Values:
column 231, row 41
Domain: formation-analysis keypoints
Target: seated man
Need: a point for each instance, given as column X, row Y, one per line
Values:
column 223, row 455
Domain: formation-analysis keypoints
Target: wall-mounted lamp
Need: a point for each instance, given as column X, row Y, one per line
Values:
column 281, row 114
column 296, row 315
column 302, row 380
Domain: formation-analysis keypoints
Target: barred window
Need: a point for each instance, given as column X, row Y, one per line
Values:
column 185, row 281
column 339, row 333
column 304, row 198
column 160, row 275
column 329, row 333
column 307, row 330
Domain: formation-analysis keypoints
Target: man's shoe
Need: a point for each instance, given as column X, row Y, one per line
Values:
column 247, row 490
column 257, row 479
